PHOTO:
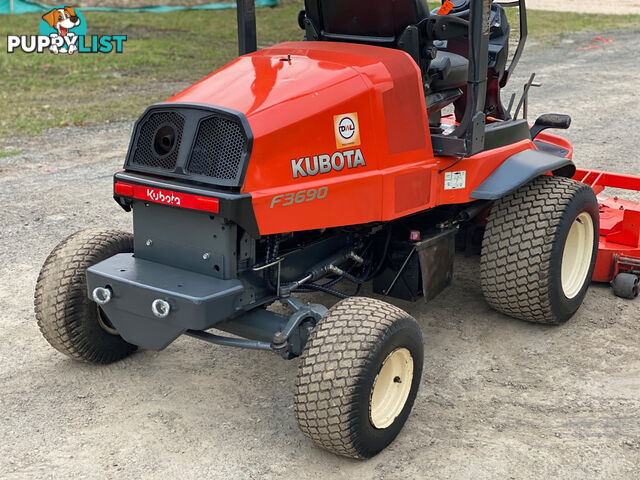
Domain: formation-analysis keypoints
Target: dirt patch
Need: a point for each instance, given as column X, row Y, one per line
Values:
column 499, row 398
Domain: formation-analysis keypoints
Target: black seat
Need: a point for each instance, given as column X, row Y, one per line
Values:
column 363, row 21
column 389, row 24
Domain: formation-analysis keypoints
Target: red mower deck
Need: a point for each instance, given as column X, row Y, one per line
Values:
column 619, row 247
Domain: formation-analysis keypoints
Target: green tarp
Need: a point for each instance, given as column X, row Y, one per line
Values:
column 24, row 6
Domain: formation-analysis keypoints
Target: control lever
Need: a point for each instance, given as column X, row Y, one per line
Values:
column 550, row 120
column 524, row 100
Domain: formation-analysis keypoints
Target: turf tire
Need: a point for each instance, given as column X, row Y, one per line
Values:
column 523, row 245
column 67, row 318
column 341, row 362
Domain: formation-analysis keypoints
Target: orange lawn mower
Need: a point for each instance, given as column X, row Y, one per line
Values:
column 365, row 153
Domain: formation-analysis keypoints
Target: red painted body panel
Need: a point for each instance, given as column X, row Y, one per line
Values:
column 619, row 245
column 293, row 94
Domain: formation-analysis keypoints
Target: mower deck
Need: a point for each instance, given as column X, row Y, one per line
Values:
column 619, row 248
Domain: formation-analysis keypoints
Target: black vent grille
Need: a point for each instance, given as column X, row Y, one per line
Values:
column 218, row 149
column 192, row 142
column 145, row 153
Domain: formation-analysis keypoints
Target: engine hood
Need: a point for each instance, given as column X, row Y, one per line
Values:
column 288, row 72
column 303, row 127
column 291, row 95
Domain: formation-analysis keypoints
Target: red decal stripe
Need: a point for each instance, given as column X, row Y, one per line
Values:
column 167, row 197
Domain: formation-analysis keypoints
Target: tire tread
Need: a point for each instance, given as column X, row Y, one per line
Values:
column 333, row 365
column 517, row 247
column 60, row 294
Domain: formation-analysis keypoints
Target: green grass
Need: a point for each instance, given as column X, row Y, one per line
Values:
column 9, row 153
column 163, row 52
column 547, row 25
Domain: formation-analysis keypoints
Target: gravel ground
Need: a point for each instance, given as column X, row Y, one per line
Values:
column 616, row 7
column 499, row 398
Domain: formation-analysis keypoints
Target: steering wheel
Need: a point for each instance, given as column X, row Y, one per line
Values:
column 460, row 5
column 460, row 8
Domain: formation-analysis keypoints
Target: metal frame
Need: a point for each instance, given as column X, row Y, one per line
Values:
column 524, row 33
column 247, row 30
column 472, row 126
column 468, row 137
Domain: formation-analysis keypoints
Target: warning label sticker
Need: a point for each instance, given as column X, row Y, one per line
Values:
column 455, row 180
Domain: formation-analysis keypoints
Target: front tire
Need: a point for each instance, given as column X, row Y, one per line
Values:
column 68, row 319
column 626, row 285
column 539, row 250
column 359, row 377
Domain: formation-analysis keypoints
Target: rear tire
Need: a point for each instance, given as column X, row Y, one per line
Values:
column 539, row 250
column 68, row 319
column 359, row 377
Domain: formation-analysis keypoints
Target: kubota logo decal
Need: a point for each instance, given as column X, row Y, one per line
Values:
column 160, row 196
column 347, row 130
column 166, row 197
column 311, row 166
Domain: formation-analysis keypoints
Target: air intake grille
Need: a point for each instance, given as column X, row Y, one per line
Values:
column 146, row 154
column 191, row 142
column 218, row 149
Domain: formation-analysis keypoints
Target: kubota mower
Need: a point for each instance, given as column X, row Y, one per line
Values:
column 330, row 161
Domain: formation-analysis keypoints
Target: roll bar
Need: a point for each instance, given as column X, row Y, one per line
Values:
column 468, row 138
column 247, row 31
column 524, row 32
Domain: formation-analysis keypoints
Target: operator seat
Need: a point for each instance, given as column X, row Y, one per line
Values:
column 363, row 21
column 384, row 24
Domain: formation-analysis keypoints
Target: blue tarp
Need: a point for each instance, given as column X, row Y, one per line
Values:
column 24, row 6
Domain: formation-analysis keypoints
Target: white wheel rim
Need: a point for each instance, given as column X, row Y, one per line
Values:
column 576, row 258
column 391, row 388
column 105, row 325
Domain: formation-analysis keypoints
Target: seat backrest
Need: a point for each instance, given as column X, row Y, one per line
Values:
column 364, row 21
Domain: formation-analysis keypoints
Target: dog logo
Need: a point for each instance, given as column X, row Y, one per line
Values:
column 63, row 31
column 66, row 23
column 347, row 130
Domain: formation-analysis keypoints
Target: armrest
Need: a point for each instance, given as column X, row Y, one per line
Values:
column 445, row 27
